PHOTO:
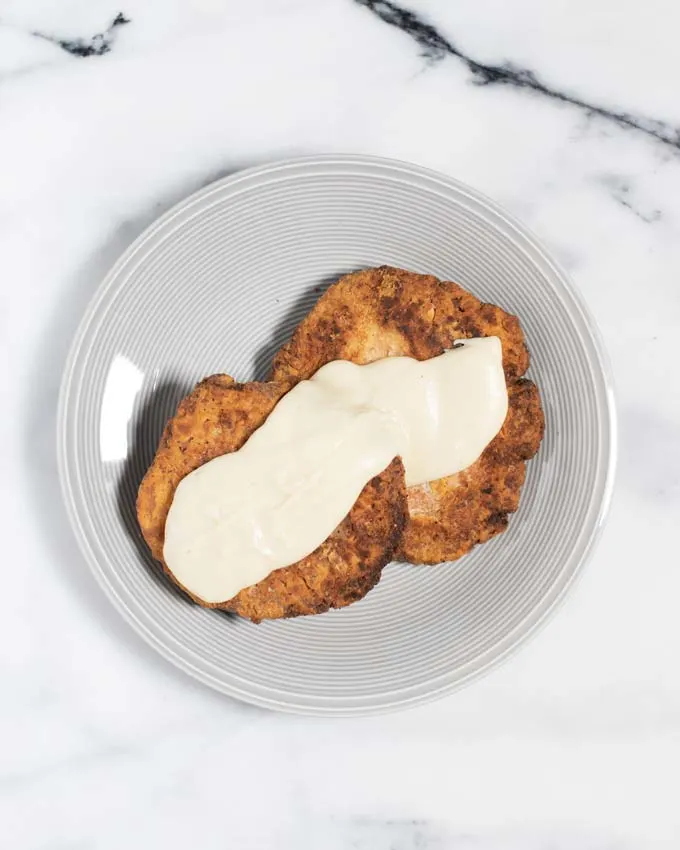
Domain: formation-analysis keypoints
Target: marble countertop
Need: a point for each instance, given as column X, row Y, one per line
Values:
column 566, row 113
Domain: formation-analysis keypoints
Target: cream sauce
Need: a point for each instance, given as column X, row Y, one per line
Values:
column 242, row 515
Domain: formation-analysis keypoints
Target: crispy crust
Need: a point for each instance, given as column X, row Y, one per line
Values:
column 346, row 565
column 217, row 418
column 386, row 312
column 449, row 516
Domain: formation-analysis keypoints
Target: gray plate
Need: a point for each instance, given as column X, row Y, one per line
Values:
column 216, row 285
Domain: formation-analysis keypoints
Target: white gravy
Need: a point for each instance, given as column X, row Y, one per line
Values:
column 242, row 515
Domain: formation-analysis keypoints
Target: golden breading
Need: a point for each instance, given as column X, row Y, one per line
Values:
column 387, row 312
column 449, row 516
column 217, row 418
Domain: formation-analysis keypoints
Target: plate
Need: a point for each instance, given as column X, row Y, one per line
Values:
column 217, row 285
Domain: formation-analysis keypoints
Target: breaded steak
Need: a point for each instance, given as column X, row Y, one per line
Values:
column 387, row 312
column 384, row 312
column 449, row 516
column 217, row 418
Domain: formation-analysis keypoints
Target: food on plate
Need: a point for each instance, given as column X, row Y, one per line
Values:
column 244, row 514
column 217, row 418
column 396, row 422
column 447, row 517
column 387, row 311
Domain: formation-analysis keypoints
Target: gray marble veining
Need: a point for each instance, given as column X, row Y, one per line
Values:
column 565, row 113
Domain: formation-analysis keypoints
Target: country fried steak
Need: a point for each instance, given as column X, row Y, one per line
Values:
column 217, row 418
column 386, row 312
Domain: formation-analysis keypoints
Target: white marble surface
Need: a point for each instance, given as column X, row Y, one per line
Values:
column 574, row 744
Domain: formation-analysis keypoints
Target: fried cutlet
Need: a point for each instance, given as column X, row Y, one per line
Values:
column 385, row 312
column 449, row 516
column 217, row 418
